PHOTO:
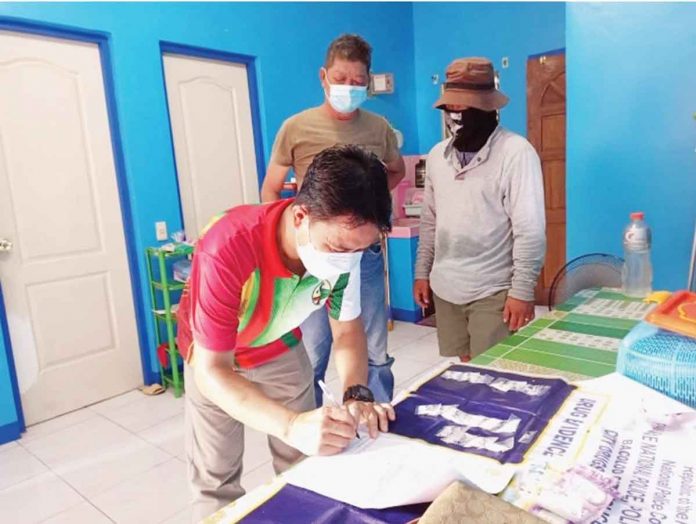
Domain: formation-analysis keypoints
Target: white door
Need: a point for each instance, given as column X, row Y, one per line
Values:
column 210, row 114
column 66, row 280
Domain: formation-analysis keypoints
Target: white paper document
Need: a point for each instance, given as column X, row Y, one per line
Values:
column 395, row 471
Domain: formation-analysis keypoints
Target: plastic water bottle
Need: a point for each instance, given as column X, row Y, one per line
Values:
column 636, row 276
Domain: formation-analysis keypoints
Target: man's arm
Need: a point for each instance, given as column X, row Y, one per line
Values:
column 525, row 207
column 218, row 381
column 528, row 219
column 280, row 163
column 324, row 431
column 350, row 353
column 273, row 182
column 396, row 170
column 426, row 244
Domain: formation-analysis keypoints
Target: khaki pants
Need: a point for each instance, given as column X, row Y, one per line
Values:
column 215, row 441
column 470, row 329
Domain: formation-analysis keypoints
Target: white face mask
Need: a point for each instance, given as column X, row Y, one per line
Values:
column 346, row 98
column 322, row 264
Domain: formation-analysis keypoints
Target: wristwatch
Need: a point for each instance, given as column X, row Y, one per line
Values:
column 358, row 392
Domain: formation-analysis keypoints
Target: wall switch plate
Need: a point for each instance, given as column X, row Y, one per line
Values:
column 161, row 230
column 381, row 84
column 505, row 62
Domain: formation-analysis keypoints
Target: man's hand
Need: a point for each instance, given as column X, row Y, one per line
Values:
column 374, row 415
column 324, row 431
column 421, row 292
column 517, row 313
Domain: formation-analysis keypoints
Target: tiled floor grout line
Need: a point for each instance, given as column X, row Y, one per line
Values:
column 137, row 434
column 82, row 495
column 88, row 502
column 255, row 468
column 145, row 428
column 141, row 437
column 33, row 476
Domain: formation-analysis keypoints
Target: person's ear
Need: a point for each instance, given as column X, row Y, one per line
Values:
column 323, row 77
column 299, row 213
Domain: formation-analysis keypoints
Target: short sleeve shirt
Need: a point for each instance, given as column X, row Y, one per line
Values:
column 240, row 296
column 306, row 134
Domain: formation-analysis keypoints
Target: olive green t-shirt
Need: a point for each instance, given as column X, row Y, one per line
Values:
column 304, row 135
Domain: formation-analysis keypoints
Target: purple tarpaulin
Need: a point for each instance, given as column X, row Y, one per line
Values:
column 293, row 505
column 534, row 412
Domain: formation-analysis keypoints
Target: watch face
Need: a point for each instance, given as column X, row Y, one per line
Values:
column 365, row 392
column 360, row 393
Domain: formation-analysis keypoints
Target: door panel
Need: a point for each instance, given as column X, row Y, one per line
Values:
column 546, row 130
column 66, row 280
column 210, row 111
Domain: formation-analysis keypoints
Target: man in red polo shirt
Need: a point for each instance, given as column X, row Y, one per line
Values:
column 258, row 272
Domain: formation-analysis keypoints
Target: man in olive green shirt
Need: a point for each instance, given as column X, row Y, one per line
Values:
column 306, row 134
column 338, row 121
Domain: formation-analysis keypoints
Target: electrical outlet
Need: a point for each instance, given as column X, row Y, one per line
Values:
column 161, row 230
column 505, row 62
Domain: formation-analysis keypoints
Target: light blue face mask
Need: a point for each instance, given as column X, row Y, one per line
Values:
column 346, row 98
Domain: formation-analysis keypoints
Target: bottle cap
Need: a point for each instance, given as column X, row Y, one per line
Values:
column 637, row 215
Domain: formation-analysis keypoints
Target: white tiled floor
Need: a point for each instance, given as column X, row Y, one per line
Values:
column 122, row 460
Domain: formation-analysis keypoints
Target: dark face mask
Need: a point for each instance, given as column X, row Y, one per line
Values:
column 473, row 128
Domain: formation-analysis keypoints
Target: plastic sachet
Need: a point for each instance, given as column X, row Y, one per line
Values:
column 520, row 386
column 561, row 494
column 461, row 437
column 452, row 413
column 429, row 410
column 468, row 376
column 500, row 384
column 528, row 437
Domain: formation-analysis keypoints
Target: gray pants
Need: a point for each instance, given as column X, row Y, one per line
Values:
column 215, row 441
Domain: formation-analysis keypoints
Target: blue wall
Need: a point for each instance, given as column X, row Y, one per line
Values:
column 445, row 31
column 11, row 418
column 289, row 42
column 631, row 134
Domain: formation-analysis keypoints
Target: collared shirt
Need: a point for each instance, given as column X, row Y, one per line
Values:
column 483, row 222
column 464, row 157
column 240, row 296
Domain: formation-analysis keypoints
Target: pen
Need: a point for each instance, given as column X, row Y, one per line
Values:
column 329, row 396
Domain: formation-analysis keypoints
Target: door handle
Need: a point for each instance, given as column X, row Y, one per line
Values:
column 5, row 245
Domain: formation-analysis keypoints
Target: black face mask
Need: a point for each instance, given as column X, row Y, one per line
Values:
column 474, row 128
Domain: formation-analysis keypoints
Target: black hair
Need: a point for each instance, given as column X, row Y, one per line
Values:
column 347, row 181
column 349, row 47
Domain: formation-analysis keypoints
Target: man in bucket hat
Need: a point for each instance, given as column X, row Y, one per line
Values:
column 482, row 232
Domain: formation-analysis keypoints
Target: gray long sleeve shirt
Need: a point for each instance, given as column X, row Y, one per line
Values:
column 483, row 224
